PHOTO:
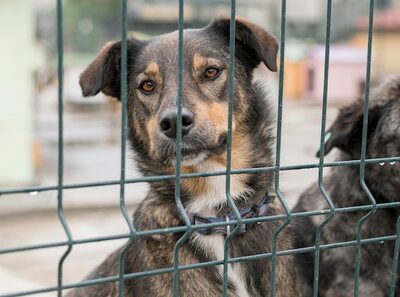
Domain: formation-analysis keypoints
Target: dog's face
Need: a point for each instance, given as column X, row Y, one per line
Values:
column 153, row 87
column 383, row 134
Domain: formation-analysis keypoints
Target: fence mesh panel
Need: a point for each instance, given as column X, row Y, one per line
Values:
column 187, row 229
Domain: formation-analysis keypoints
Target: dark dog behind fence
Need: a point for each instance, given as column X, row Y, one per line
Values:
column 284, row 219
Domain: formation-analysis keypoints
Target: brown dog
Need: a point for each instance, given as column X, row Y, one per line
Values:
column 152, row 112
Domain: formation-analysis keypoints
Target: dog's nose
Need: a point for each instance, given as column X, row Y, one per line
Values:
column 169, row 119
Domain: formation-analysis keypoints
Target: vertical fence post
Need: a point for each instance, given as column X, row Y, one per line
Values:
column 277, row 170
column 395, row 264
column 363, row 153
column 60, row 206
column 322, row 153
column 231, row 94
column 124, row 91
column 178, row 201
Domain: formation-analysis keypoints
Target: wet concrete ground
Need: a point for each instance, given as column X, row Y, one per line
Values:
column 29, row 219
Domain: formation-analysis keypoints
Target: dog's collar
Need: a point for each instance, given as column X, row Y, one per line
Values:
column 257, row 210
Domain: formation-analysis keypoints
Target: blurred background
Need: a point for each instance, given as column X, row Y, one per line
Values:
column 29, row 121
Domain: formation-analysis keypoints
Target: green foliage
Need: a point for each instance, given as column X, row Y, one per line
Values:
column 89, row 26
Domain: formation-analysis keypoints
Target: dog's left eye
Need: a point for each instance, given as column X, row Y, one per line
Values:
column 147, row 86
column 211, row 73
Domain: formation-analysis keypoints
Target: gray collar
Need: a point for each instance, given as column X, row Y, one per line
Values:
column 257, row 210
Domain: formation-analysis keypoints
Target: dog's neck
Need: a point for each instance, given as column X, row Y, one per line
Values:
column 208, row 195
column 212, row 197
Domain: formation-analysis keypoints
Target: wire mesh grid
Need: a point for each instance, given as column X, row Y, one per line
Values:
column 188, row 228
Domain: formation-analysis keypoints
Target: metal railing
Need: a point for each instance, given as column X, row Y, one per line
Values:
column 188, row 228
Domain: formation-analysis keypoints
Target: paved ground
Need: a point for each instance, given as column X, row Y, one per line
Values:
column 31, row 218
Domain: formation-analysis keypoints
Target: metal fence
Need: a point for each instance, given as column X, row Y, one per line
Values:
column 188, row 228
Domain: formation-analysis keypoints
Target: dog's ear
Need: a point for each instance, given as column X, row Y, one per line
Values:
column 346, row 131
column 103, row 74
column 253, row 44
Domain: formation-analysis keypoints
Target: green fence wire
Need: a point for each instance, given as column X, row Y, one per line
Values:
column 178, row 200
column 364, row 152
column 278, row 152
column 322, row 153
column 187, row 229
column 60, row 209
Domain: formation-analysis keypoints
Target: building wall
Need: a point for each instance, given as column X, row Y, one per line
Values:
column 385, row 51
column 16, row 85
column 345, row 82
column 259, row 11
column 295, row 79
column 305, row 11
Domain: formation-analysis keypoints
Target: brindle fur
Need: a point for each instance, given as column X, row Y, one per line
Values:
column 155, row 153
column 343, row 187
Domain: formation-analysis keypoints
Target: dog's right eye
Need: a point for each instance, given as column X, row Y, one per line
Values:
column 211, row 73
column 147, row 86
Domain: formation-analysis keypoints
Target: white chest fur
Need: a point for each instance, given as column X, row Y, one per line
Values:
column 215, row 195
column 213, row 245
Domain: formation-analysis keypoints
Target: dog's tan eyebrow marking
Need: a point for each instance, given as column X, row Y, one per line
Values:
column 200, row 61
column 152, row 69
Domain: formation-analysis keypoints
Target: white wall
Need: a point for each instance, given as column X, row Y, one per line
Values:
column 16, row 91
column 308, row 11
